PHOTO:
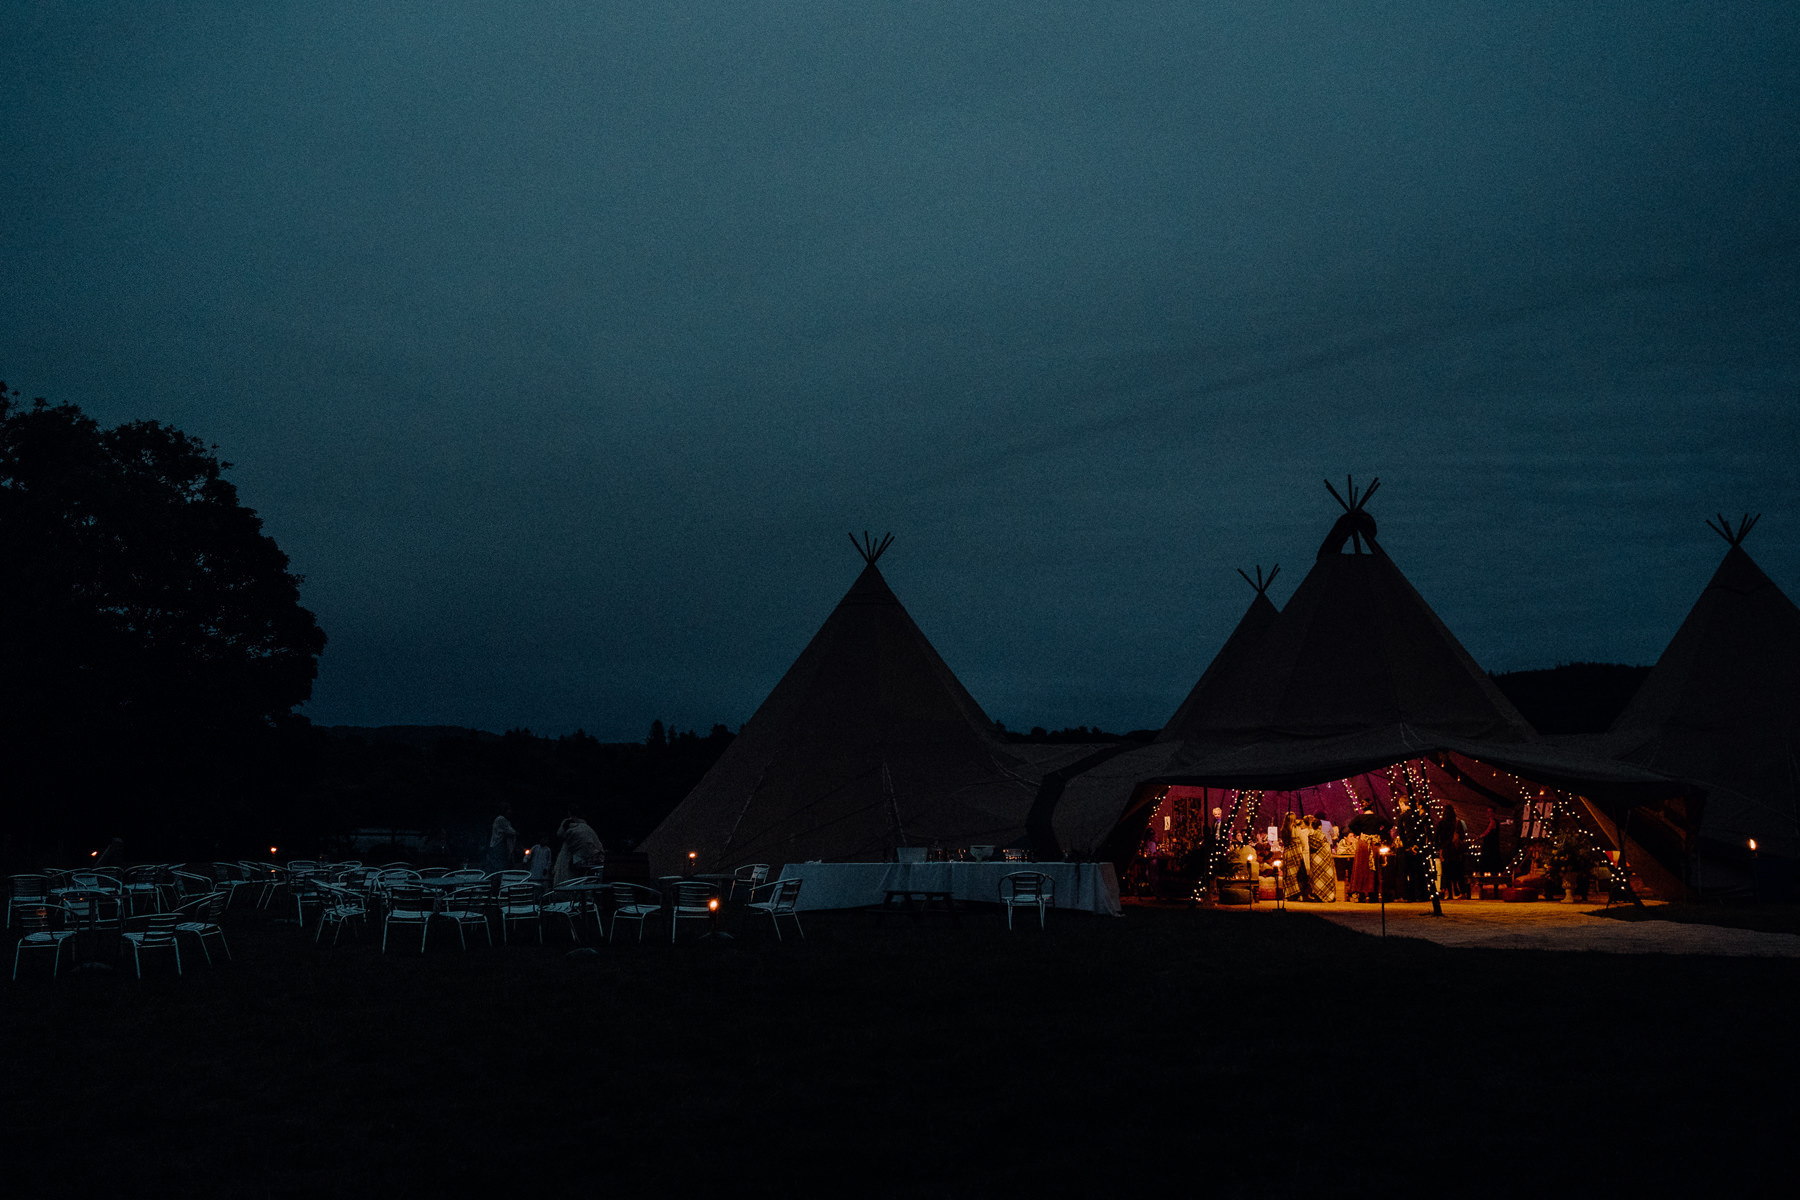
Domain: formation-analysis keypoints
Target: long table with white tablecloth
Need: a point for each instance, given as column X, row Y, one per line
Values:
column 1091, row 887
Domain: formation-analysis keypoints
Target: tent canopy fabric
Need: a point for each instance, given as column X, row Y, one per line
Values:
column 1722, row 707
column 868, row 742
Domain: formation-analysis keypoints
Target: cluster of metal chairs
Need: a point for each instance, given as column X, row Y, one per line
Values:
column 402, row 898
column 700, row 900
column 168, row 903
column 54, row 907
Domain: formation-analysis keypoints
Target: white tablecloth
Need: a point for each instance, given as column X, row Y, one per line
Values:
column 1091, row 887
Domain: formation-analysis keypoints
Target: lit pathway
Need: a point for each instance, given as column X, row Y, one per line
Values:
column 1492, row 925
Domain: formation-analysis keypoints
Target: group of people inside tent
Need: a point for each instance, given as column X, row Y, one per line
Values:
column 1307, row 849
column 1403, row 857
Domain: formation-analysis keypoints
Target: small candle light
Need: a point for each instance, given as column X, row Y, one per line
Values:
column 93, row 854
column 1753, row 845
column 713, row 904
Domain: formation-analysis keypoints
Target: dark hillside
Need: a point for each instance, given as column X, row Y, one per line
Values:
column 1581, row 697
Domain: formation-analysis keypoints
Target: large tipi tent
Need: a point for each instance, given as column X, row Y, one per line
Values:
column 1355, row 679
column 867, row 743
column 1722, row 707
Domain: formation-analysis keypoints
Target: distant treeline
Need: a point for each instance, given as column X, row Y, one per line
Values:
column 454, row 781
column 1073, row 734
column 1580, row 697
column 304, row 789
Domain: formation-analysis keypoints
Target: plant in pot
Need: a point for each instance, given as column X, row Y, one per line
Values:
column 1572, row 857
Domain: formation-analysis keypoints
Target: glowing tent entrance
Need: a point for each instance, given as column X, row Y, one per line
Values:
column 1510, row 826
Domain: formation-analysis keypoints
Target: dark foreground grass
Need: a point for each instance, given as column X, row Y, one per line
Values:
column 1194, row 1050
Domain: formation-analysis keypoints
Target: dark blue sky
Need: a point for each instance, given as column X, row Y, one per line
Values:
column 559, row 350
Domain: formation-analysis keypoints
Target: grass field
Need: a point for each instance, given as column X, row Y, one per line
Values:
column 1184, row 1050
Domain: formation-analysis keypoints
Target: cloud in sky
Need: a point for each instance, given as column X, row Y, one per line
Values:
column 559, row 348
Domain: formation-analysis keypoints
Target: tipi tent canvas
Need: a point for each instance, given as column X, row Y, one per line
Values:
column 1236, row 655
column 1722, row 707
column 869, row 742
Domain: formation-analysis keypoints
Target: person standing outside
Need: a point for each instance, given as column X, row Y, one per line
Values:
column 581, row 849
column 503, row 841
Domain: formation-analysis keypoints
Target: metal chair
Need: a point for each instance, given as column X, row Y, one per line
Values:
column 783, row 895
column 92, row 900
column 307, row 889
column 338, row 906
column 26, row 892
column 518, row 903
column 264, row 878
column 633, row 902
column 408, row 904
column 39, row 934
column 202, row 921
column 1027, row 889
column 692, row 901
column 465, row 907
column 191, row 884
column 157, row 934
column 143, row 884
column 750, row 875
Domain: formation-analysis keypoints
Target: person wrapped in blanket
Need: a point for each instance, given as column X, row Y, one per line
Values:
column 1369, row 829
column 1296, row 874
column 1319, row 861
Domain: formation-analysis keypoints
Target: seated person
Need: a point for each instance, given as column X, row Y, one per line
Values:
column 1537, row 872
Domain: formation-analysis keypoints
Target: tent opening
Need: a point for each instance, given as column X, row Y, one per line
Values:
column 1454, row 828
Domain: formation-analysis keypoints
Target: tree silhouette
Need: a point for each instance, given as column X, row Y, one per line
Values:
column 143, row 605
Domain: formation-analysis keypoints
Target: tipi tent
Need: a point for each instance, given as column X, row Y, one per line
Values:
column 1357, row 676
column 1236, row 655
column 1722, row 707
column 868, row 743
